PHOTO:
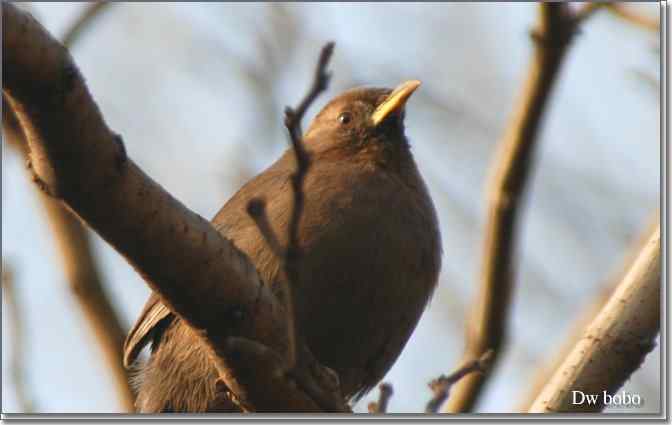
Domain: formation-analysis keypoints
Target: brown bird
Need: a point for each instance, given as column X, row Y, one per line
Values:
column 371, row 256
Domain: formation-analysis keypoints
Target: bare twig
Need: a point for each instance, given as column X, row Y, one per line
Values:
column 616, row 342
column 629, row 15
column 18, row 354
column 586, row 10
column 197, row 273
column 291, row 254
column 256, row 208
column 91, row 11
column 620, row 10
column 543, row 375
column 293, row 119
column 487, row 327
column 380, row 406
column 441, row 386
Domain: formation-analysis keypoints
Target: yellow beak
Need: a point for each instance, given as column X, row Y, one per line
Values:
column 395, row 101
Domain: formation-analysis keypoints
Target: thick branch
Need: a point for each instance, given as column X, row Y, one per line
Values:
column 616, row 342
column 578, row 329
column 81, row 272
column 199, row 275
column 86, row 285
column 507, row 186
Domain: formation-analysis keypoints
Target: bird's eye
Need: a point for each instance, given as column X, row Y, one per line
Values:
column 345, row 118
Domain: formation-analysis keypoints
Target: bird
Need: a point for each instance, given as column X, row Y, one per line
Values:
column 371, row 257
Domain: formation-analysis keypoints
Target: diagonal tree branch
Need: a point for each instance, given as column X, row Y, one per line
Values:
column 511, row 167
column 441, row 386
column 83, row 21
column 256, row 208
column 74, row 247
column 616, row 342
column 82, row 273
column 626, row 13
column 544, row 374
column 198, row 274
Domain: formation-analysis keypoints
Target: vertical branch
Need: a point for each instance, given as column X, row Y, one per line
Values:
column 487, row 328
column 380, row 406
column 616, row 342
column 256, row 207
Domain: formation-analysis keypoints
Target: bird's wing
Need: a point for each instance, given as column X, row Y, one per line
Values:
column 152, row 315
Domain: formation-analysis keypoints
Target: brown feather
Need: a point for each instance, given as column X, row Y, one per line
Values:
column 372, row 254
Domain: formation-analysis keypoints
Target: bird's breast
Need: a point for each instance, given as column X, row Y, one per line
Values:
column 371, row 259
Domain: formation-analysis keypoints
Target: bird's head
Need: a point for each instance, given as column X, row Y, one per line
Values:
column 362, row 118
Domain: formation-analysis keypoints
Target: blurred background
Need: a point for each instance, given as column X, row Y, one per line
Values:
column 197, row 92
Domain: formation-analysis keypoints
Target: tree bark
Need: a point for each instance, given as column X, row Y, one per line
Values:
column 616, row 342
column 488, row 325
column 198, row 274
column 544, row 374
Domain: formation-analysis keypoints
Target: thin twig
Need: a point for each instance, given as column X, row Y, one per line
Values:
column 619, row 10
column 256, row 208
column 292, row 255
column 627, row 14
column 18, row 354
column 84, row 20
column 293, row 119
column 380, row 406
column 441, row 386
column 511, row 167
